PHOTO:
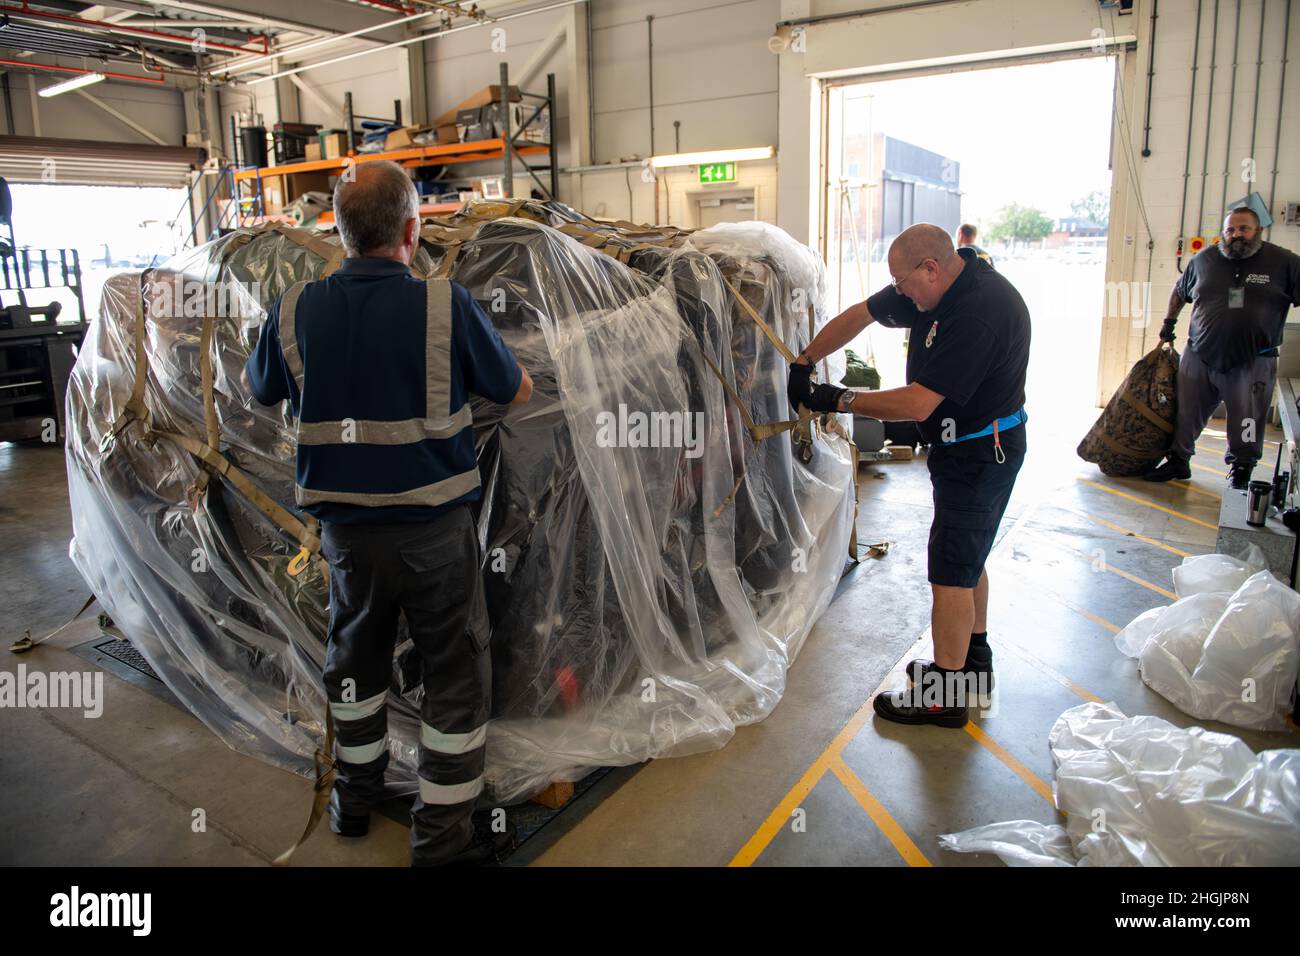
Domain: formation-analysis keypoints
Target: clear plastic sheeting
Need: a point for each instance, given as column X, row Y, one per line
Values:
column 647, row 594
column 1139, row 791
column 1228, row 649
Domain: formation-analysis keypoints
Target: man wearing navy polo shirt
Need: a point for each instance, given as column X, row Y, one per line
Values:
column 966, row 363
column 378, row 366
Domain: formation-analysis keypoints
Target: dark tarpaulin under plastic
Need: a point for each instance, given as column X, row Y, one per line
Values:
column 645, row 601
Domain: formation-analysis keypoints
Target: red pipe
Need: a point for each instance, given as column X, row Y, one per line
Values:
column 385, row 5
column 26, row 11
column 68, row 69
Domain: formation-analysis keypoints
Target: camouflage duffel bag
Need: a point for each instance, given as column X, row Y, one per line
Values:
column 1137, row 426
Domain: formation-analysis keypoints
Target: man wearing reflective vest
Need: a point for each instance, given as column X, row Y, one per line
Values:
column 967, row 359
column 378, row 366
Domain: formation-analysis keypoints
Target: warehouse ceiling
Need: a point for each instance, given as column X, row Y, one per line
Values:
column 215, row 41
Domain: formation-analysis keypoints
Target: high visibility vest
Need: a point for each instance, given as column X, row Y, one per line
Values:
column 438, row 422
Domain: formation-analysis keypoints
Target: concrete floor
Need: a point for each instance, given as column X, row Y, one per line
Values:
column 125, row 789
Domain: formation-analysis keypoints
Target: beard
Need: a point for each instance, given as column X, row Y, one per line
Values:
column 1240, row 248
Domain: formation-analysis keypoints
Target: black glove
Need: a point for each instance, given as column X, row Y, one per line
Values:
column 1167, row 331
column 824, row 398
column 799, row 386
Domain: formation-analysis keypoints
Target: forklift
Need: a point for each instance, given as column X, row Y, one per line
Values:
column 37, row 351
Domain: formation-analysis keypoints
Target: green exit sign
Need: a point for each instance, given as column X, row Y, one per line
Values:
column 718, row 173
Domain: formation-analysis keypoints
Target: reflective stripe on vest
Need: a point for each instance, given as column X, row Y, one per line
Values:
column 437, row 423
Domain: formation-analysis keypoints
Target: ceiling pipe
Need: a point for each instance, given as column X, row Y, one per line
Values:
column 99, row 26
column 241, row 16
column 407, row 42
column 855, row 14
column 241, row 66
column 22, row 64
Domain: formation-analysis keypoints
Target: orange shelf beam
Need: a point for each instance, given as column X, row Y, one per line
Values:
column 326, row 218
column 416, row 156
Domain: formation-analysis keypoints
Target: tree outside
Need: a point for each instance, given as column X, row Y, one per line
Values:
column 1094, row 207
column 1017, row 223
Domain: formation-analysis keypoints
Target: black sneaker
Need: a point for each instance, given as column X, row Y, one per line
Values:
column 979, row 661
column 1171, row 469
column 347, row 824
column 1239, row 475
column 910, row 706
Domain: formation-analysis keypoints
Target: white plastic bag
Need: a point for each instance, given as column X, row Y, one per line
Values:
column 1222, row 655
column 1217, row 572
column 1140, row 791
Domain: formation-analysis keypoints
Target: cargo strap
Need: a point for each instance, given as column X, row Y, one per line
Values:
column 135, row 408
column 331, row 253
column 1122, row 449
column 1146, row 411
column 325, row 771
column 306, row 533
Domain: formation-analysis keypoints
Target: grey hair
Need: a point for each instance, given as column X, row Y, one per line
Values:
column 371, row 208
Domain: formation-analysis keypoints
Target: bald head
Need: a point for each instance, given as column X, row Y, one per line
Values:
column 924, row 264
column 922, row 241
column 372, row 207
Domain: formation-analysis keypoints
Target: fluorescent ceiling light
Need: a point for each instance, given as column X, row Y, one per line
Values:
column 75, row 83
column 707, row 156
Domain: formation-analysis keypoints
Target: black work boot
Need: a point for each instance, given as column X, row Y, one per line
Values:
column 979, row 664
column 1239, row 474
column 486, row 848
column 347, row 824
column 1174, row 467
column 930, row 701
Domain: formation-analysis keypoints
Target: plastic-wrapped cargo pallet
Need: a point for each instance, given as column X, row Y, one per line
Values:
column 645, row 601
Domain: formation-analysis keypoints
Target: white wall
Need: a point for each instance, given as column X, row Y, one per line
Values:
column 1160, row 176
column 69, row 116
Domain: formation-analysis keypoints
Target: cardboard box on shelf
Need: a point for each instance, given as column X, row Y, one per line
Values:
column 489, row 94
column 485, row 122
column 311, row 151
column 272, row 201
column 334, row 145
column 448, row 134
column 404, row 138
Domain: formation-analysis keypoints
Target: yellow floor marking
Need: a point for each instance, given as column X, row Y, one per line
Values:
column 1123, row 530
column 1223, row 437
column 781, row 815
column 830, row 760
column 1024, row 773
column 1106, row 565
column 1200, row 491
column 1210, row 471
column 908, row 850
column 1035, row 661
column 1150, row 504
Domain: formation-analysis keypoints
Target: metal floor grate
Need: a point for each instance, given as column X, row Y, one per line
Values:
column 125, row 652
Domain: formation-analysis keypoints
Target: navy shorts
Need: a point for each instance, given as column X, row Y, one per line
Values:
column 971, row 491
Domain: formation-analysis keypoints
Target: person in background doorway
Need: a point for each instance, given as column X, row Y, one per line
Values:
column 966, row 240
column 1241, row 289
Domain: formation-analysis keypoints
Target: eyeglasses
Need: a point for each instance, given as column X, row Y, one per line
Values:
column 897, row 282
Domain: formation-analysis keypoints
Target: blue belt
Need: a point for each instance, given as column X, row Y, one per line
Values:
column 1002, row 424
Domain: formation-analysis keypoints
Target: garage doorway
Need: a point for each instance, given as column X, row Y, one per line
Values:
column 1023, row 153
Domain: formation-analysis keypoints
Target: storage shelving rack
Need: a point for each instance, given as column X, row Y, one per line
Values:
column 297, row 178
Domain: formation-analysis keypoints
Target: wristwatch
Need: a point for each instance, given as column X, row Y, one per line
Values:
column 845, row 402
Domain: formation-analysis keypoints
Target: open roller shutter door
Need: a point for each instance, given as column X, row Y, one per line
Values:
column 34, row 159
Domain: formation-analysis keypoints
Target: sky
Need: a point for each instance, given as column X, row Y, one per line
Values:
column 131, row 219
column 1037, row 134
